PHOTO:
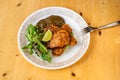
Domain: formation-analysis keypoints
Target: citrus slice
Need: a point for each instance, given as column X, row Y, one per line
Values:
column 47, row 36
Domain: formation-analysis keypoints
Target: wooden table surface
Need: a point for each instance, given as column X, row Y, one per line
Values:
column 100, row 62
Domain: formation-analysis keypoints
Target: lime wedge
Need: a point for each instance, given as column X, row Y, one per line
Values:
column 47, row 36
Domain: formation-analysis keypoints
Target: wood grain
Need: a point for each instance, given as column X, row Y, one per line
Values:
column 101, row 61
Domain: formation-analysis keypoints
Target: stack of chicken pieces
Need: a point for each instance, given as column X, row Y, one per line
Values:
column 61, row 38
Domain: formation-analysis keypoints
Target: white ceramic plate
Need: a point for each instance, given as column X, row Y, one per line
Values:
column 70, row 56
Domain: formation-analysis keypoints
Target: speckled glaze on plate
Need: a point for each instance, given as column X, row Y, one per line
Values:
column 72, row 54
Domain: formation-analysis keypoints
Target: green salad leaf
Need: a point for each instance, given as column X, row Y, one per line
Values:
column 29, row 46
column 72, row 34
column 47, row 57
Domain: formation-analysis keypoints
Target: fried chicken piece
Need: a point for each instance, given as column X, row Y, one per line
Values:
column 59, row 39
column 53, row 28
column 67, row 28
column 58, row 51
column 73, row 41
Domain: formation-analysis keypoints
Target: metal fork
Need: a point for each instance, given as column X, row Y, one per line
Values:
column 91, row 29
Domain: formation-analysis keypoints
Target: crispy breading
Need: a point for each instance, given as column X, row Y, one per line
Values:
column 73, row 41
column 59, row 39
column 67, row 28
column 58, row 51
column 53, row 28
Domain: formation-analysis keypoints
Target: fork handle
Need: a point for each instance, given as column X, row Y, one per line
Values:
column 109, row 25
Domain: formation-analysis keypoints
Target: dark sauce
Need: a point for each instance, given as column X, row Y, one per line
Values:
column 51, row 20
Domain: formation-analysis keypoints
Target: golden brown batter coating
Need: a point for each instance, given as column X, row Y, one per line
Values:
column 73, row 41
column 59, row 39
column 53, row 28
column 58, row 51
column 67, row 28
